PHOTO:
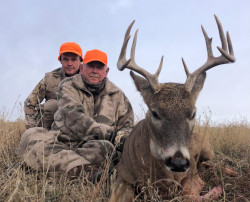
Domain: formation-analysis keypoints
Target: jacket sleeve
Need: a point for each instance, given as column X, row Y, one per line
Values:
column 125, row 116
column 31, row 104
column 124, row 125
column 71, row 117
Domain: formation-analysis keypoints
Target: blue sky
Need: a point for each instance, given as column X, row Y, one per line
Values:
column 32, row 32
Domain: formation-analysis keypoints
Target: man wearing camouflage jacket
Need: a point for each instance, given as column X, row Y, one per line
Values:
column 37, row 114
column 93, row 116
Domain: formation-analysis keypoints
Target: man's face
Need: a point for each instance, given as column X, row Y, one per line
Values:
column 95, row 72
column 70, row 63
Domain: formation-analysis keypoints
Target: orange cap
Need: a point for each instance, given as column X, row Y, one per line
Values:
column 70, row 47
column 95, row 55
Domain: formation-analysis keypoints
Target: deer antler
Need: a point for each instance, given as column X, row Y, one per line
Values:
column 130, row 63
column 212, row 61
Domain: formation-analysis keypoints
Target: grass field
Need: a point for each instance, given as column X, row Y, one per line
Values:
column 230, row 141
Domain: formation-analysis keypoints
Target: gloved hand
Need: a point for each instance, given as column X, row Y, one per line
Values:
column 96, row 134
column 117, row 139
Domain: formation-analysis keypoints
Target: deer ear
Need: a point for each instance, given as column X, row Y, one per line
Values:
column 140, row 82
column 198, row 85
column 142, row 86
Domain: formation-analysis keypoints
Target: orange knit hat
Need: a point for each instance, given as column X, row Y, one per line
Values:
column 70, row 47
column 95, row 55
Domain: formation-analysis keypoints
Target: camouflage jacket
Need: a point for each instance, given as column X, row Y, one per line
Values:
column 80, row 117
column 45, row 89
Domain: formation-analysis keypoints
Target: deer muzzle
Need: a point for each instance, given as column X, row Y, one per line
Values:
column 177, row 164
column 176, row 158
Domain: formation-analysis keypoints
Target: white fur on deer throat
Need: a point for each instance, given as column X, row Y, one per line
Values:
column 162, row 153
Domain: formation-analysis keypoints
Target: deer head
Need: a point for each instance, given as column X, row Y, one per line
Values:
column 171, row 106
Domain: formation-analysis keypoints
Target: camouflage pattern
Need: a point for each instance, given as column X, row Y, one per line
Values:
column 32, row 107
column 37, row 114
column 41, row 150
column 81, row 117
column 79, row 132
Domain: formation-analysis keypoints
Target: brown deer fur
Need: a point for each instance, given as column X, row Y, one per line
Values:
column 162, row 147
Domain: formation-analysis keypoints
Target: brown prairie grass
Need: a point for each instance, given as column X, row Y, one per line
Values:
column 231, row 145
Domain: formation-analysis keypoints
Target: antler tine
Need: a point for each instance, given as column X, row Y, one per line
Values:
column 185, row 67
column 230, row 46
column 222, row 35
column 159, row 68
column 212, row 61
column 229, row 56
column 224, row 50
column 131, row 64
column 208, row 43
column 153, row 79
column 122, row 62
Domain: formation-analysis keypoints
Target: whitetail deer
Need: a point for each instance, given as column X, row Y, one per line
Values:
column 163, row 146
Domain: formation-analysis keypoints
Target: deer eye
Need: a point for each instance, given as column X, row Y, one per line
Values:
column 155, row 115
column 193, row 115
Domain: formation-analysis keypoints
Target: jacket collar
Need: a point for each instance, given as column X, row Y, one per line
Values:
column 109, row 88
column 62, row 73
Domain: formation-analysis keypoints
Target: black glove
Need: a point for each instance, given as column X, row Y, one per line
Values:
column 111, row 137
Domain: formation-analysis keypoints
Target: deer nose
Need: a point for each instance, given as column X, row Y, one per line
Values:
column 177, row 164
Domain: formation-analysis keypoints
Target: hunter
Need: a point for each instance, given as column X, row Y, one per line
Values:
column 92, row 121
column 37, row 114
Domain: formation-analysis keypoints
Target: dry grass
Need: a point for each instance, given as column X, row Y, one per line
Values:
column 231, row 143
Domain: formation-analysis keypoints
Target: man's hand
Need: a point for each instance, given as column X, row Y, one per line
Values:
column 96, row 133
